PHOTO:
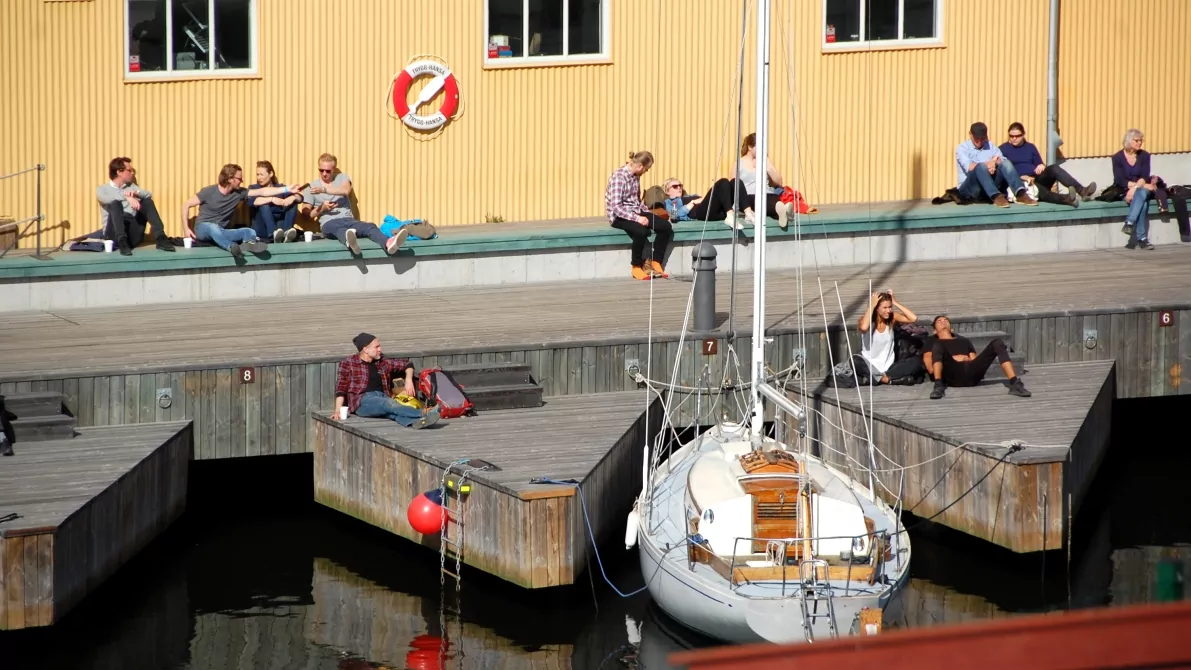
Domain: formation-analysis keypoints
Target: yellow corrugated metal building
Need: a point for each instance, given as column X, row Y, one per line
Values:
column 880, row 106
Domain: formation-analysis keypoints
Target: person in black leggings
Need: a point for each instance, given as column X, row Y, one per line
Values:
column 714, row 206
column 953, row 361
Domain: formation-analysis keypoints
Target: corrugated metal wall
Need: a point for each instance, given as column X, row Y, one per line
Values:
column 1124, row 65
column 538, row 143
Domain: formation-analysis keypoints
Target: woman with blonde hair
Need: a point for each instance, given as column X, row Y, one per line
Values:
column 1131, row 174
column 626, row 211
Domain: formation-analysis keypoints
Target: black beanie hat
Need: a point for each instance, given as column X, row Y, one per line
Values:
column 362, row 340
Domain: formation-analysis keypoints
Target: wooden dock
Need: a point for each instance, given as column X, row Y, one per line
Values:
column 532, row 535
column 86, row 505
column 578, row 337
column 1022, row 500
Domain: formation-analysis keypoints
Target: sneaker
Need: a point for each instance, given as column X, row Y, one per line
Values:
column 783, row 214
column 1127, row 229
column 235, row 250
column 394, row 243
column 429, row 418
column 256, row 246
column 352, row 243
column 122, row 245
column 939, row 390
column 748, row 218
column 730, row 220
column 290, row 235
column 1072, row 198
column 5, row 447
column 1018, row 389
column 1023, row 198
column 1000, row 201
column 164, row 244
column 657, row 269
column 1145, row 244
column 278, row 236
column 1131, row 244
column 641, row 273
column 1088, row 191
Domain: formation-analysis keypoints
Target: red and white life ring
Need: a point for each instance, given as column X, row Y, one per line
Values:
column 444, row 80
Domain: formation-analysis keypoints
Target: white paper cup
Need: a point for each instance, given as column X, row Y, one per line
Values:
column 108, row 245
column 187, row 242
column 308, row 236
column 342, row 410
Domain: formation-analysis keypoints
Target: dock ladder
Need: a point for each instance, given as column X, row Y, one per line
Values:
column 454, row 490
column 815, row 593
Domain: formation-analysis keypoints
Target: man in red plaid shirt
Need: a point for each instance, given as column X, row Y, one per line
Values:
column 364, row 383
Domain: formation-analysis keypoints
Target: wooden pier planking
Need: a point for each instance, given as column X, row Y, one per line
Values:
column 1021, row 503
column 532, row 535
column 577, row 337
column 87, row 505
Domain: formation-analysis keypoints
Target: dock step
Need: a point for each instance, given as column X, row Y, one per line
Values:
column 490, row 374
column 38, row 403
column 43, row 428
column 508, row 396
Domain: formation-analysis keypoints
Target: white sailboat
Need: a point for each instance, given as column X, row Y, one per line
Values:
column 747, row 538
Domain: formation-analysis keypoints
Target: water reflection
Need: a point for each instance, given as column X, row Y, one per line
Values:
column 294, row 585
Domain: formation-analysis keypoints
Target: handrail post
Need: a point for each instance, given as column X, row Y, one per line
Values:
column 40, row 169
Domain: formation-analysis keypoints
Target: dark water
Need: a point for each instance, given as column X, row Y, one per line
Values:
column 255, row 575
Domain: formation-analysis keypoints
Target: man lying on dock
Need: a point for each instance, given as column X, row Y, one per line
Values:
column 953, row 361
column 364, row 382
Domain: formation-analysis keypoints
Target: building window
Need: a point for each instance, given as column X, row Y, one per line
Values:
column 848, row 24
column 179, row 38
column 543, row 32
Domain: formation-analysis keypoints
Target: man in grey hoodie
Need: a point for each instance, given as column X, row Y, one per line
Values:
column 125, row 208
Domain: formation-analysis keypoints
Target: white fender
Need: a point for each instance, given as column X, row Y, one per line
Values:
column 630, row 530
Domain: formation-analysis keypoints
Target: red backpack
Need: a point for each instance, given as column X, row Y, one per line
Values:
column 438, row 387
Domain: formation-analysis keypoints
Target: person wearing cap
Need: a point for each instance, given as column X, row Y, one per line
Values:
column 982, row 170
column 364, row 381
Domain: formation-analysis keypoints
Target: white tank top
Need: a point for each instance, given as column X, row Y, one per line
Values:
column 878, row 347
column 748, row 176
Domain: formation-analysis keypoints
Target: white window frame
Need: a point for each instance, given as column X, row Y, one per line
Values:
column 604, row 56
column 867, row 45
column 211, row 72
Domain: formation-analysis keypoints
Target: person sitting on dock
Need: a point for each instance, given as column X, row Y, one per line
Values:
column 1030, row 166
column 272, row 216
column 326, row 201
column 626, row 211
column 716, row 205
column 125, row 208
column 982, row 170
column 878, row 350
column 217, row 205
column 953, row 361
column 364, row 381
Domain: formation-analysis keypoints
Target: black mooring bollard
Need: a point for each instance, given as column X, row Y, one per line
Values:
column 703, row 264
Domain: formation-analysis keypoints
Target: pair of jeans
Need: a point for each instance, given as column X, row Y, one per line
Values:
column 375, row 404
column 663, row 233
column 121, row 224
column 980, row 181
column 1139, row 214
column 268, row 219
column 205, row 231
column 337, row 229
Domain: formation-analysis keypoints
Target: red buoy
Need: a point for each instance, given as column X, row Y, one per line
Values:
column 425, row 514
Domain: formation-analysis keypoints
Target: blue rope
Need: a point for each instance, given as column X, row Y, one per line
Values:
column 591, row 536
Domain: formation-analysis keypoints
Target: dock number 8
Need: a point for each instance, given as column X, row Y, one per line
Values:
column 247, row 376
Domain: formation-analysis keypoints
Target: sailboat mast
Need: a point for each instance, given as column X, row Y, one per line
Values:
column 758, row 354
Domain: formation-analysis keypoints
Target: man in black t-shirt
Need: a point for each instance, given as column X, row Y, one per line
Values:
column 953, row 361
